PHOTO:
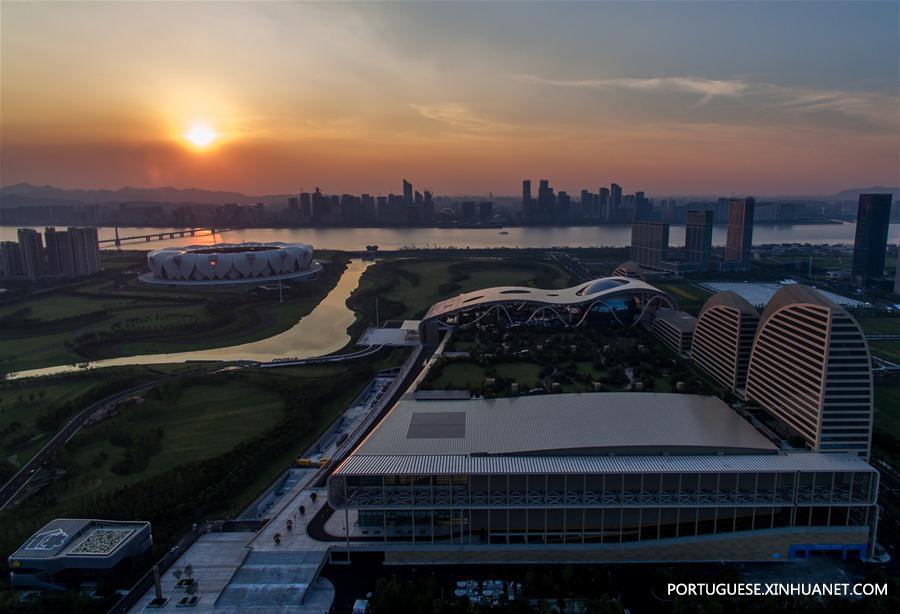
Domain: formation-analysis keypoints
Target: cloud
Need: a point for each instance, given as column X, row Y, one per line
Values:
column 874, row 109
column 457, row 116
column 707, row 88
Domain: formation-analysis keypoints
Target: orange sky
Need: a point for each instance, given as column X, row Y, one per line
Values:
column 464, row 99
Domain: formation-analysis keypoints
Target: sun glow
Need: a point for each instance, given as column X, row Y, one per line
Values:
column 200, row 135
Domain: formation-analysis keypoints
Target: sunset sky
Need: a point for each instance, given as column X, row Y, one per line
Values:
column 671, row 98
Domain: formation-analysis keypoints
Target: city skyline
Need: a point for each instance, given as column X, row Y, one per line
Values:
column 762, row 99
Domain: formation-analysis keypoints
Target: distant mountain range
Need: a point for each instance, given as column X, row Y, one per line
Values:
column 28, row 195
column 853, row 193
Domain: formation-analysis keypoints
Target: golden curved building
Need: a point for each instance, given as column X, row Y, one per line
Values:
column 723, row 338
column 810, row 367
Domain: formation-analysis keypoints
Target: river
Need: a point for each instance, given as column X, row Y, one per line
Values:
column 355, row 239
column 321, row 332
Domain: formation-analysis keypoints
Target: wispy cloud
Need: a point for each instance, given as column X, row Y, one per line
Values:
column 706, row 88
column 874, row 108
column 454, row 114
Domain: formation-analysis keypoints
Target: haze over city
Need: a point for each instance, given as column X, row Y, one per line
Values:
column 672, row 98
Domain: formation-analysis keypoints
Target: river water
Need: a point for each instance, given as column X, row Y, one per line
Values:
column 323, row 331
column 355, row 239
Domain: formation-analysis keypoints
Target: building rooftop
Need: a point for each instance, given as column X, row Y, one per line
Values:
column 565, row 424
column 679, row 320
column 728, row 298
column 706, row 463
column 78, row 537
column 758, row 294
column 584, row 293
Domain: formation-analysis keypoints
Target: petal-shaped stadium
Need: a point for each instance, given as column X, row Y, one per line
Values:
column 230, row 263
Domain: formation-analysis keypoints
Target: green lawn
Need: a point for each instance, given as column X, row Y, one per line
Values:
column 888, row 349
column 114, row 316
column 880, row 325
column 689, row 297
column 525, row 373
column 459, row 376
column 202, row 422
column 887, row 407
column 21, row 404
column 414, row 285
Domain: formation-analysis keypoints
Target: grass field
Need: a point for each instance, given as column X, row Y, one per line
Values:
column 887, row 407
column 22, row 404
column 689, row 297
column 407, row 288
column 888, row 349
column 112, row 315
column 202, row 422
column 880, row 325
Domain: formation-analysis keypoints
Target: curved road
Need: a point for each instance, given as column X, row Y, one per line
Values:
column 21, row 479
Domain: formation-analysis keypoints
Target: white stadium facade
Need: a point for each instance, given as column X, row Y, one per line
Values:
column 230, row 263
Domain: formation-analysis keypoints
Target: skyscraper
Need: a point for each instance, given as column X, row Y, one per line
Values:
column 60, row 257
column 603, row 204
column 10, row 260
column 642, row 207
column 407, row 193
column 31, row 253
column 85, row 250
column 649, row 243
column 698, row 238
column 615, row 203
column 872, row 222
column 546, row 202
column 526, row 192
column 740, row 234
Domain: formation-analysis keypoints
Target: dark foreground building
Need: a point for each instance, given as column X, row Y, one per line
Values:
column 67, row 552
column 873, row 220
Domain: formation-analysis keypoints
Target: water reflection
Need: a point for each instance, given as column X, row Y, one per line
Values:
column 323, row 331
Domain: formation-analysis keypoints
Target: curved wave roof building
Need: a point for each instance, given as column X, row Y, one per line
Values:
column 723, row 339
column 616, row 296
column 810, row 367
column 230, row 263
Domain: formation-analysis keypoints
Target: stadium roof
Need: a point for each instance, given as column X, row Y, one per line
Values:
column 588, row 292
column 565, row 424
column 707, row 463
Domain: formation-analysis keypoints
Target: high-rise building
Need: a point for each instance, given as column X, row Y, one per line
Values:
column 649, row 243
column 305, row 206
column 643, row 207
column 546, row 202
column 873, row 219
column 723, row 339
column 616, row 209
column 60, row 255
column 10, row 260
column 320, row 208
column 810, row 367
column 897, row 273
column 485, row 210
column 407, row 193
column 31, row 253
column 85, row 250
column 739, row 239
column 563, row 210
column 428, row 207
column 698, row 238
column 526, row 191
column 603, row 205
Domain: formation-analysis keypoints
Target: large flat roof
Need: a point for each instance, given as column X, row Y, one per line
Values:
column 706, row 463
column 565, row 424
column 759, row 294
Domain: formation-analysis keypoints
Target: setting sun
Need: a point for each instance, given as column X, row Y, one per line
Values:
column 200, row 135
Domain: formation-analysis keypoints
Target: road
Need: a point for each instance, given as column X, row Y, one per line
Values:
column 20, row 480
